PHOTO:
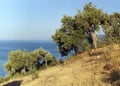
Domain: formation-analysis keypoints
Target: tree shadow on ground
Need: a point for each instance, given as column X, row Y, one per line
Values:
column 113, row 78
column 14, row 83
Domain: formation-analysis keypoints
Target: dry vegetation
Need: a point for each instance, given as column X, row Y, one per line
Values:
column 92, row 68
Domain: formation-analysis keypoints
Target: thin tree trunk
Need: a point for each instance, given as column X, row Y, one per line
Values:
column 45, row 62
column 76, row 49
column 94, row 39
column 24, row 70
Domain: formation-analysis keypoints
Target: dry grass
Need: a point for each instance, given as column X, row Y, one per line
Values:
column 75, row 74
column 80, row 70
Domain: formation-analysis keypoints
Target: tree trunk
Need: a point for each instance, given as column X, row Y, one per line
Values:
column 45, row 62
column 76, row 49
column 24, row 70
column 94, row 39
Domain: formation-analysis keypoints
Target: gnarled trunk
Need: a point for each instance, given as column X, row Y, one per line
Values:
column 94, row 39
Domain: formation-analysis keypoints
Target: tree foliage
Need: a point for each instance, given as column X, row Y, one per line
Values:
column 19, row 61
column 78, row 32
column 69, row 36
column 112, row 28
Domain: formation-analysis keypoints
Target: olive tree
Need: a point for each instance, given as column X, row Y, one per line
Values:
column 19, row 61
column 78, row 32
column 112, row 28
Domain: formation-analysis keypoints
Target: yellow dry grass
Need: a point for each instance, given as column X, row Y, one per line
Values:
column 75, row 74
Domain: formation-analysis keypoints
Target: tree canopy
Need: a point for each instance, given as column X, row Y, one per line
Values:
column 19, row 61
column 112, row 28
column 78, row 32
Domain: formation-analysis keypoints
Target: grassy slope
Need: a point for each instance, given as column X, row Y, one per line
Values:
column 80, row 70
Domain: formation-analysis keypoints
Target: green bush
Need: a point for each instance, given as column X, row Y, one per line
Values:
column 21, row 62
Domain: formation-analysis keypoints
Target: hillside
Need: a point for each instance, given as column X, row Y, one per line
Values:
column 86, row 69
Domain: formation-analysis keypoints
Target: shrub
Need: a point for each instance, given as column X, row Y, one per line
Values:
column 115, row 75
column 21, row 62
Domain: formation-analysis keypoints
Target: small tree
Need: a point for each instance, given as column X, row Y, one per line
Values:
column 24, row 61
column 15, row 62
column 112, row 28
column 45, row 56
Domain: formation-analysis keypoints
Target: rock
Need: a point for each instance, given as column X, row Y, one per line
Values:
column 116, row 47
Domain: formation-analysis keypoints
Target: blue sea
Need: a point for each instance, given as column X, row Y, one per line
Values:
column 7, row 45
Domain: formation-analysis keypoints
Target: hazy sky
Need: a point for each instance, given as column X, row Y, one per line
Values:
column 38, row 19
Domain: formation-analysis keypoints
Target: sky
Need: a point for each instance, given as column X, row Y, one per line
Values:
column 39, row 19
